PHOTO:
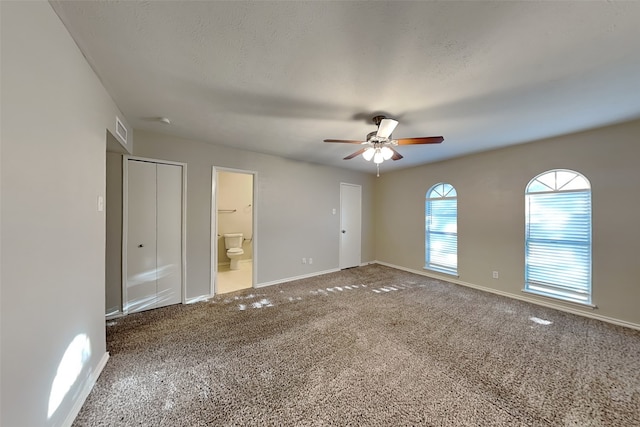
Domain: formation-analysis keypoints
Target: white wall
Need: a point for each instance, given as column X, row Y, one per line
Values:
column 55, row 113
column 294, row 205
column 491, row 211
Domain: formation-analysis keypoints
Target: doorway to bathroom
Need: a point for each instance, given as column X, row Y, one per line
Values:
column 232, row 230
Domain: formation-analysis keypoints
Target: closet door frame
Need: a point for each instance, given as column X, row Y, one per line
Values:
column 125, row 224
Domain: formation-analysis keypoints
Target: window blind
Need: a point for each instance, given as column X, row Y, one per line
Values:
column 441, row 243
column 558, row 245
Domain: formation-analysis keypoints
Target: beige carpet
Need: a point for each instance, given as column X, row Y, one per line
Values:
column 370, row 346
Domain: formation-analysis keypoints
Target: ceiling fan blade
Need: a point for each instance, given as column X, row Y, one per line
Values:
column 386, row 127
column 421, row 140
column 346, row 141
column 356, row 154
column 396, row 155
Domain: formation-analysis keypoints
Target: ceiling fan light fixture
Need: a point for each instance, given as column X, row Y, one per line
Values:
column 387, row 153
column 377, row 157
column 368, row 154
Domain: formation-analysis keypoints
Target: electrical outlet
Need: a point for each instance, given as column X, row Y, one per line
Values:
column 310, row 260
column 495, row 275
column 304, row 260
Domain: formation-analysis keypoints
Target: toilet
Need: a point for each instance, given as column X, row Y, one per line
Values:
column 233, row 244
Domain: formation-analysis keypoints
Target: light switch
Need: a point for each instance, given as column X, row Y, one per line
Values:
column 100, row 203
column 333, row 211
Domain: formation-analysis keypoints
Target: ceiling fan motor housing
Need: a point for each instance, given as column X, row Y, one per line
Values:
column 378, row 119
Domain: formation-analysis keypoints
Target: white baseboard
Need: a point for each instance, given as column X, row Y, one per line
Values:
column 290, row 279
column 198, row 299
column 84, row 393
column 525, row 298
column 114, row 315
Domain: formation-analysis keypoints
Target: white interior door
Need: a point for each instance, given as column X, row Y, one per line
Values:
column 154, row 235
column 141, row 287
column 350, row 225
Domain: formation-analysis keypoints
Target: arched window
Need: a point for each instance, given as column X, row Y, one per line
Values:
column 558, row 236
column 441, row 229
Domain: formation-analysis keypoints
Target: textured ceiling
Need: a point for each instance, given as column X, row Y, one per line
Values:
column 279, row 77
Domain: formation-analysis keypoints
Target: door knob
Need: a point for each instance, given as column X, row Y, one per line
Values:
column 141, row 245
column 344, row 231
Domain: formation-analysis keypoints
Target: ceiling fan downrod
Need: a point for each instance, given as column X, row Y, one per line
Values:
column 378, row 119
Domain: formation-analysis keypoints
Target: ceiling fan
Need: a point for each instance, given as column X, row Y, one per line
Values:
column 379, row 145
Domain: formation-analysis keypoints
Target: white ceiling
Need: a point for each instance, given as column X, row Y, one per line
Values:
column 279, row 77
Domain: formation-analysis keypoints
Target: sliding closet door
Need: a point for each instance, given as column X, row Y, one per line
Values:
column 154, row 235
column 141, row 236
column 169, row 234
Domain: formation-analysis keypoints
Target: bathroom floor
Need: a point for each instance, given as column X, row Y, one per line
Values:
column 234, row 280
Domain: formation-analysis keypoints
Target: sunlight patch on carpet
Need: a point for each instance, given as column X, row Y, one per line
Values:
column 540, row 321
column 262, row 303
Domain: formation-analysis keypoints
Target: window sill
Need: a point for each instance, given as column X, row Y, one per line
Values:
column 557, row 299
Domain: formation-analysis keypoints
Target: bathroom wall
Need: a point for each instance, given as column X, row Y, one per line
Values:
column 235, row 193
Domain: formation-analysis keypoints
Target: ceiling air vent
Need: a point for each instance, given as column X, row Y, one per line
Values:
column 121, row 130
